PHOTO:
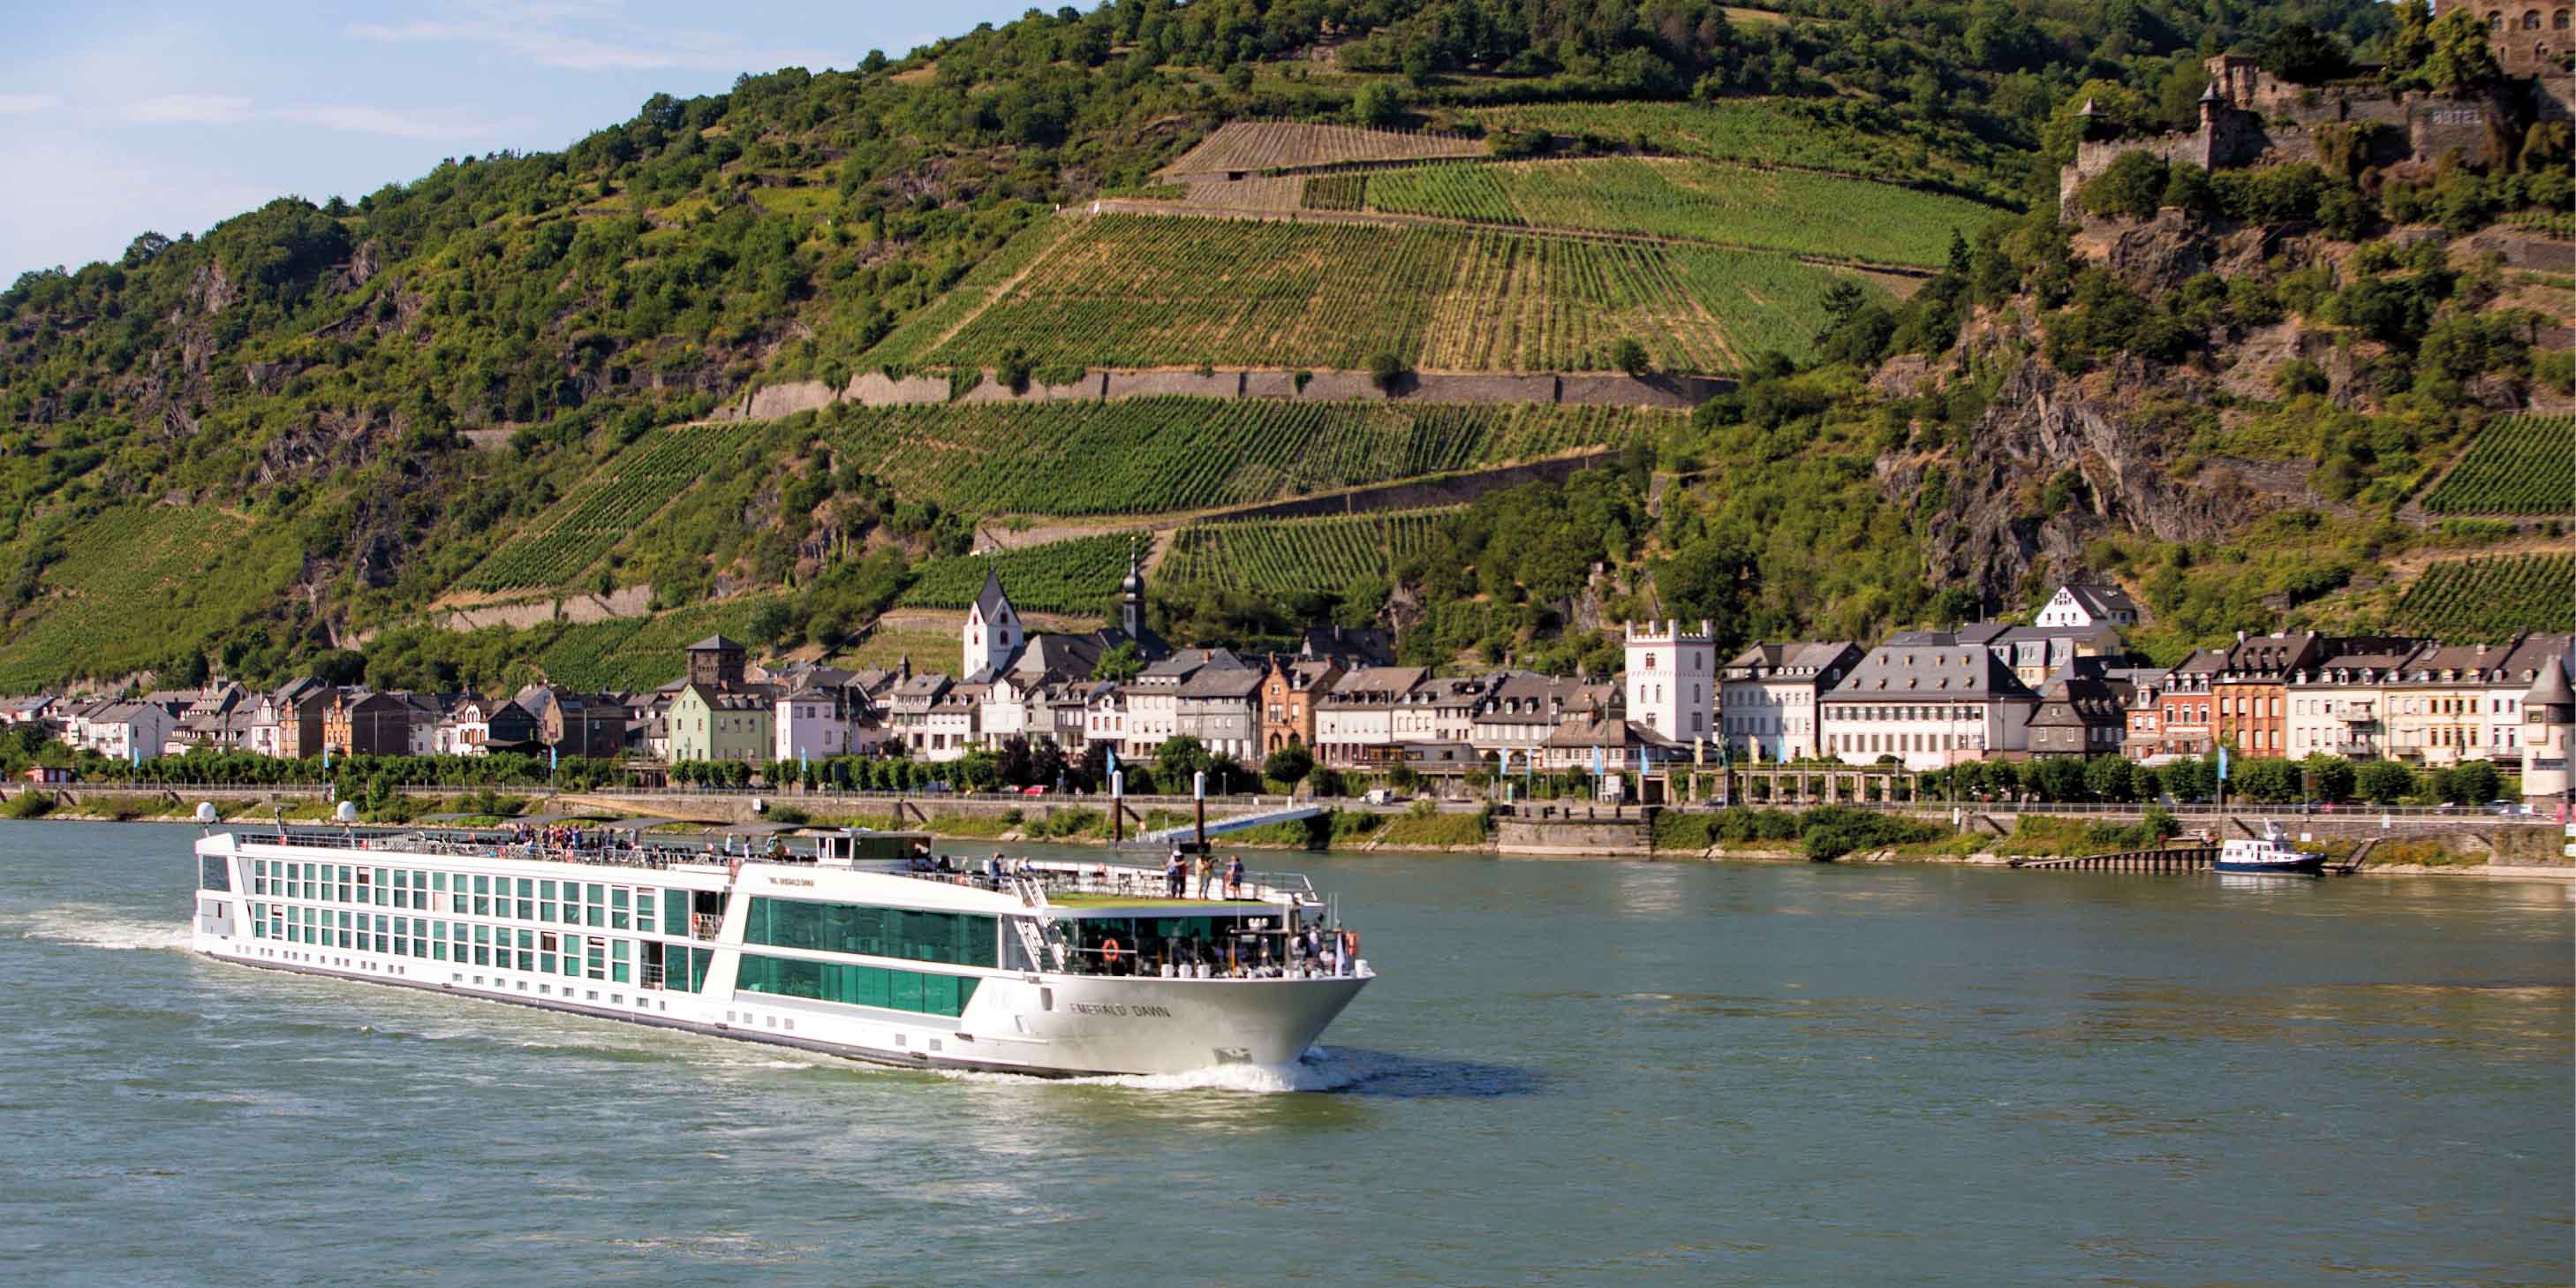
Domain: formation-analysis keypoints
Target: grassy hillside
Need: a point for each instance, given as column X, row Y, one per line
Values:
column 132, row 580
column 482, row 380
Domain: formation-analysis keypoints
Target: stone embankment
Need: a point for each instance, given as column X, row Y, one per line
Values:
column 1591, row 389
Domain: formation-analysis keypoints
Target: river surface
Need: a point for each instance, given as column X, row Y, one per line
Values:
column 1567, row 1073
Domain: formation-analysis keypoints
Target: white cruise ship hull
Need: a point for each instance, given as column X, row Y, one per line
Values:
column 1038, row 1022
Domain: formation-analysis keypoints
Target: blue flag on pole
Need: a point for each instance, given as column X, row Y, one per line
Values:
column 2222, row 764
column 1596, row 762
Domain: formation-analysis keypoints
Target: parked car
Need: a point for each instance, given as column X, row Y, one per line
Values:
column 2507, row 809
column 1384, row 796
column 1034, row 789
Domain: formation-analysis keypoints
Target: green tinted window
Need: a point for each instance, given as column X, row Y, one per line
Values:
column 901, row 990
column 213, row 872
column 954, row 938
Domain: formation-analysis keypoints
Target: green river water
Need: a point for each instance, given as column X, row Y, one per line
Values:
column 1567, row 1073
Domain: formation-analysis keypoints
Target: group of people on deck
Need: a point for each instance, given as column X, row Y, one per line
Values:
column 1176, row 875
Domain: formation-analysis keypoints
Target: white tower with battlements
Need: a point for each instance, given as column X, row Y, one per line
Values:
column 1672, row 679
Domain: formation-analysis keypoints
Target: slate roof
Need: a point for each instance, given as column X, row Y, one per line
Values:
column 1900, row 672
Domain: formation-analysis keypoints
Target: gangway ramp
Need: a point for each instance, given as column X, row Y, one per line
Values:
column 1238, row 823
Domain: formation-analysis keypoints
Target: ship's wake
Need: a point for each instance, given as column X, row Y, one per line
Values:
column 1346, row 1071
column 92, row 926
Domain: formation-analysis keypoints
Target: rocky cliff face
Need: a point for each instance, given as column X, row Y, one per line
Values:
column 2057, row 461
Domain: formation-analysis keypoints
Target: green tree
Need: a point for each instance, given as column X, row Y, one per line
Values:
column 1177, row 759
column 1120, row 661
column 1379, row 105
column 2384, row 782
column 2441, row 55
column 1288, row 765
column 2472, row 783
column 2132, row 185
column 2107, row 778
column 2331, row 778
column 1630, row 356
column 2267, row 780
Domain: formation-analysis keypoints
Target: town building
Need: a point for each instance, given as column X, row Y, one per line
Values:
column 128, row 731
column 1355, row 723
column 1599, row 737
column 366, row 722
column 736, row 723
column 1520, row 712
column 1441, row 709
column 715, row 663
column 2337, row 702
column 2087, row 604
column 1672, row 678
column 1104, row 719
column 1221, row 707
column 2080, row 713
column 1289, row 690
column 1767, row 696
column 2549, row 719
column 1926, row 706
column 577, row 724
column 2453, row 703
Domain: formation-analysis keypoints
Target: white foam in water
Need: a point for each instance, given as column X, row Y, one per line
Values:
column 1317, row 1071
column 92, row 926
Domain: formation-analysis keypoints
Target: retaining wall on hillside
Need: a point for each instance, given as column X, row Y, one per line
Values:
column 1601, row 389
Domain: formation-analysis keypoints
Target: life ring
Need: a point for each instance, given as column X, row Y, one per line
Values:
column 1109, row 952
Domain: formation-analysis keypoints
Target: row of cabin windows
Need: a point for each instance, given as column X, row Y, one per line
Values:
column 542, row 952
column 897, row 990
column 575, row 903
column 955, row 938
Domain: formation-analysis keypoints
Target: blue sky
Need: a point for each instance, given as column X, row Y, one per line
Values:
column 118, row 116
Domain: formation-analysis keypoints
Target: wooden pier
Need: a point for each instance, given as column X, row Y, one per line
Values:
column 2178, row 858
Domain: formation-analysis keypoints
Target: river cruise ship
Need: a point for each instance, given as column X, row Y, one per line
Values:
column 854, row 943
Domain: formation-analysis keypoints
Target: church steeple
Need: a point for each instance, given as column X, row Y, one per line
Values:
column 1131, row 595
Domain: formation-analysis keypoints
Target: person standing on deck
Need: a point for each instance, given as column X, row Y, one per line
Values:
column 1234, row 877
column 1207, row 876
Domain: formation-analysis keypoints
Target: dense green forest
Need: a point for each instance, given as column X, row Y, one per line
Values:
column 447, row 386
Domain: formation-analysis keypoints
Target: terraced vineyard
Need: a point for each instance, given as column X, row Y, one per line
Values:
column 611, row 503
column 1283, row 556
column 134, row 583
column 639, row 653
column 1244, row 146
column 2519, row 465
column 1075, row 576
column 1153, row 455
column 1139, row 291
column 2474, row 600
column 922, row 331
column 1786, row 210
column 1815, row 136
